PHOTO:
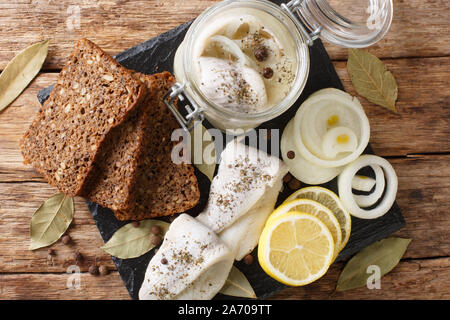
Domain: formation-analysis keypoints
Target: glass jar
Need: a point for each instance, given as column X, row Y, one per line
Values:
column 300, row 22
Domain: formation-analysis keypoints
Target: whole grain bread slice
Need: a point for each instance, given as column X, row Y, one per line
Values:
column 161, row 187
column 111, row 181
column 93, row 94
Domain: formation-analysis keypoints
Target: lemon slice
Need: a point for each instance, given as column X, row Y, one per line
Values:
column 330, row 200
column 316, row 209
column 296, row 248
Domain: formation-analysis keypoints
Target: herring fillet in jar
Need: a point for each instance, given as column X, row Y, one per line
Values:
column 244, row 61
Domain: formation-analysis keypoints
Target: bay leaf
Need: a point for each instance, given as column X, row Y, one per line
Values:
column 202, row 151
column 371, row 78
column 385, row 254
column 51, row 221
column 20, row 71
column 132, row 242
column 237, row 285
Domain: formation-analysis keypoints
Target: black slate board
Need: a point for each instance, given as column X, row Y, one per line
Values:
column 156, row 55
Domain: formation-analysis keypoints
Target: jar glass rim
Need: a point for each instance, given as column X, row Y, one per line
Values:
column 302, row 51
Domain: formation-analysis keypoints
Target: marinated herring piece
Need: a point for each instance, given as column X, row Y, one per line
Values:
column 244, row 61
column 242, row 196
column 192, row 263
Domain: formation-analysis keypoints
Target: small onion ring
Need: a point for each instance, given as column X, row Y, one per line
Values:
column 301, row 169
column 345, row 187
column 365, row 201
column 354, row 106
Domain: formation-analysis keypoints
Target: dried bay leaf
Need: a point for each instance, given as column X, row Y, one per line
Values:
column 385, row 254
column 132, row 242
column 371, row 78
column 20, row 71
column 237, row 285
column 51, row 221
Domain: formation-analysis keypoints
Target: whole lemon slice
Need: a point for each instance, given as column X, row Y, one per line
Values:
column 316, row 209
column 330, row 200
column 296, row 248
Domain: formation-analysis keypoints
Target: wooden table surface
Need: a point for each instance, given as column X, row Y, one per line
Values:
column 416, row 142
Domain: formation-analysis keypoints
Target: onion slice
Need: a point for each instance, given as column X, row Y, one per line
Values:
column 345, row 187
column 365, row 201
column 301, row 169
column 316, row 117
column 231, row 47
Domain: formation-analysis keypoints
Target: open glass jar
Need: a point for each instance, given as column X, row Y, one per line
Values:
column 244, row 62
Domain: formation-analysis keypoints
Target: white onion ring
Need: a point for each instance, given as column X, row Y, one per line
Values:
column 365, row 201
column 312, row 104
column 301, row 169
column 345, row 187
column 230, row 46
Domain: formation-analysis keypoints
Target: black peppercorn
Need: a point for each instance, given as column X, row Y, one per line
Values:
column 248, row 259
column 261, row 54
column 164, row 261
column 294, row 184
column 156, row 230
column 291, row 155
column 51, row 252
column 78, row 256
column 94, row 270
column 156, row 240
column 267, row 73
column 103, row 270
column 66, row 239
column 135, row 224
column 287, row 178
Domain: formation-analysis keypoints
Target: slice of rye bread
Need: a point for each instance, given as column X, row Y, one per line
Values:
column 161, row 187
column 93, row 94
column 111, row 181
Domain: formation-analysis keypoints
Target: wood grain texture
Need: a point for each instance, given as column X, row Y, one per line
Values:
column 420, row 28
column 417, row 279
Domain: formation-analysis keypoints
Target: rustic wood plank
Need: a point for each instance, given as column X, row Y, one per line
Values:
column 54, row 287
column 422, row 124
column 18, row 202
column 424, row 196
column 420, row 28
column 416, row 279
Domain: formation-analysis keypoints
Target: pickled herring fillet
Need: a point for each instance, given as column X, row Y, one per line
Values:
column 192, row 263
column 242, row 196
column 243, row 235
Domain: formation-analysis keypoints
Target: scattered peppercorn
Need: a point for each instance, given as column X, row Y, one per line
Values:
column 66, row 239
column 156, row 230
column 261, row 54
column 135, row 224
column 94, row 270
column 164, row 261
column 156, row 240
column 103, row 270
column 248, row 259
column 287, row 178
column 51, row 252
column 291, row 154
column 78, row 256
column 267, row 73
column 294, row 184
